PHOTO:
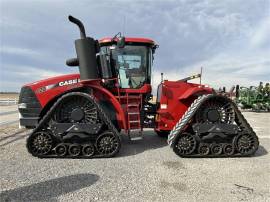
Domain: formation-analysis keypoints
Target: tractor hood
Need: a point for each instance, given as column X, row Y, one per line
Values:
column 57, row 81
column 46, row 89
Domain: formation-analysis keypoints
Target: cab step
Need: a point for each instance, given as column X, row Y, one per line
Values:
column 135, row 121
column 135, row 135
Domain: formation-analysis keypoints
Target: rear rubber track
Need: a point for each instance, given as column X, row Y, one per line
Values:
column 201, row 149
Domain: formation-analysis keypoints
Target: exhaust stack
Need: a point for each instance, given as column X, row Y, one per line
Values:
column 79, row 24
column 86, row 49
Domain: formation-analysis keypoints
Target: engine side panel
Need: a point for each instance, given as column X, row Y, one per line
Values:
column 46, row 90
column 174, row 99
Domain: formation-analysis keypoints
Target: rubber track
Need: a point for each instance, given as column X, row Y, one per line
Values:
column 46, row 118
column 180, row 125
column 184, row 120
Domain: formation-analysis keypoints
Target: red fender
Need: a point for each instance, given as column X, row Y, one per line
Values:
column 195, row 91
column 120, row 115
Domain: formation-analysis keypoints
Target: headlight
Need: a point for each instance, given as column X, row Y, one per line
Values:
column 163, row 106
column 22, row 106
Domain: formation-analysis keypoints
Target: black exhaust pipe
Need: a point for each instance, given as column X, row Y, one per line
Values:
column 79, row 24
column 86, row 49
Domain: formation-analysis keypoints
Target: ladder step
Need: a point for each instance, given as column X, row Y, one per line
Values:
column 137, row 121
column 129, row 97
column 133, row 105
column 132, row 113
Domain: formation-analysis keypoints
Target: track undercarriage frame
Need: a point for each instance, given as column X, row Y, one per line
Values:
column 77, row 136
column 224, row 134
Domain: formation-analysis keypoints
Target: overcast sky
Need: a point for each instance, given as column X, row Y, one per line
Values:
column 229, row 38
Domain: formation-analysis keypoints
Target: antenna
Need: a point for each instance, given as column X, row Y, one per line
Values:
column 124, row 25
column 201, row 75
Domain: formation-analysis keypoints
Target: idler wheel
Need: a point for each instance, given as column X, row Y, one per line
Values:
column 61, row 150
column 108, row 144
column 186, row 144
column 216, row 149
column 228, row 149
column 40, row 143
column 74, row 150
column 204, row 149
column 246, row 144
column 88, row 150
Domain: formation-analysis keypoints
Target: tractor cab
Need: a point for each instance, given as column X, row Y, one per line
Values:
column 130, row 61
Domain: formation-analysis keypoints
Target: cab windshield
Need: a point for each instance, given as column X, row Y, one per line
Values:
column 133, row 64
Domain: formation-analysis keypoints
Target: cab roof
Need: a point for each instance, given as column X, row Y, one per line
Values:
column 128, row 40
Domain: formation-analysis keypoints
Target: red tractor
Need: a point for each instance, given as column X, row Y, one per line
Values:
column 81, row 115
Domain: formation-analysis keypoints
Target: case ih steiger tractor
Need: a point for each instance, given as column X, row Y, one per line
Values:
column 81, row 115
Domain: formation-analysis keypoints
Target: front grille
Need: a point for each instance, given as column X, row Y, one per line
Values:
column 28, row 97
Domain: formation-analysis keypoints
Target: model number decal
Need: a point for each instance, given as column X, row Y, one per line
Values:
column 69, row 82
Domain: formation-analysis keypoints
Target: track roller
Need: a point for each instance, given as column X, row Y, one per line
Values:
column 61, row 149
column 204, row 149
column 216, row 149
column 74, row 150
column 88, row 150
column 228, row 149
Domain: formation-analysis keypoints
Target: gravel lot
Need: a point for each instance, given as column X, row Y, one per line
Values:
column 145, row 170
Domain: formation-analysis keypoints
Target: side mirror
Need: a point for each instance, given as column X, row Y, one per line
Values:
column 154, row 48
column 121, row 42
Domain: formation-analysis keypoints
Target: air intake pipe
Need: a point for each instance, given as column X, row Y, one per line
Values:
column 86, row 49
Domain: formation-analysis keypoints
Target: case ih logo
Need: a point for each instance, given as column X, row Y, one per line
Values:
column 69, row 82
column 61, row 83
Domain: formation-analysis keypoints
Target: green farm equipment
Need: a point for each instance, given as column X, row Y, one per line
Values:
column 254, row 98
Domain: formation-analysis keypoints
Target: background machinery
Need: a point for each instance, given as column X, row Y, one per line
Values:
column 81, row 115
column 254, row 98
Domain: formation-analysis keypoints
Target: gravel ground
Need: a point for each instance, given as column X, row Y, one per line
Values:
column 145, row 170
